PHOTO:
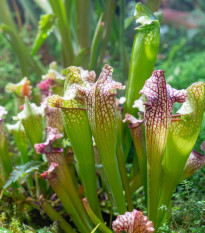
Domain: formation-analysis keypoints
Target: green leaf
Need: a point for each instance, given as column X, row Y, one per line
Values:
column 143, row 57
column 181, row 139
column 101, row 110
column 157, row 118
column 137, row 133
column 30, row 13
column 81, row 57
column 96, row 43
column 21, row 172
column 43, row 230
column 128, row 21
column 6, row 15
column 3, row 230
column 98, row 223
column 21, row 50
column 58, row 8
column 5, row 160
column 108, row 19
column 45, row 6
column 31, row 118
column 46, row 26
column 78, row 129
column 94, row 230
column 20, row 139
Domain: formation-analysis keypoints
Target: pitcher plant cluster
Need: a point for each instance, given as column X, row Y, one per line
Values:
column 83, row 134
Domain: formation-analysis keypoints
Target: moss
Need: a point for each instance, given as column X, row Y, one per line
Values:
column 17, row 221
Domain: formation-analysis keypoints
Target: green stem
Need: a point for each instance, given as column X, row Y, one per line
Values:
column 10, row 31
column 5, row 160
column 95, row 219
column 30, row 14
column 108, row 19
column 123, row 174
column 64, row 27
column 37, row 184
column 18, row 16
column 65, row 179
column 143, row 57
column 69, row 7
column 83, row 23
column 164, row 202
column 139, row 143
column 6, row 16
column 83, row 28
column 79, row 133
column 55, row 216
column 30, row 185
column 123, row 53
column 90, row 187
column 25, row 59
column 114, row 179
column 153, row 182
column 96, row 43
column 68, row 205
column 169, row 182
column 135, row 182
column 135, row 165
column 103, row 178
